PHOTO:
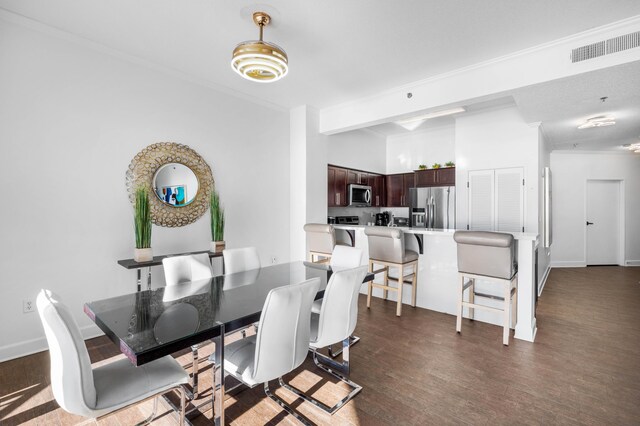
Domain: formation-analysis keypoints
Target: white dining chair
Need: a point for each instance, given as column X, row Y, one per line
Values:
column 184, row 269
column 342, row 257
column 98, row 392
column 240, row 259
column 335, row 323
column 281, row 343
column 188, row 268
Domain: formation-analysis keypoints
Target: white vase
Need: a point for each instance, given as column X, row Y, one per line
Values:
column 143, row 254
column 217, row 246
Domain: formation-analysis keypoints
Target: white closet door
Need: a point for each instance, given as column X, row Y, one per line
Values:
column 481, row 200
column 509, row 199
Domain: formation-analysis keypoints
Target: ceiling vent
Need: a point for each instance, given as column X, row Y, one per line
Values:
column 606, row 47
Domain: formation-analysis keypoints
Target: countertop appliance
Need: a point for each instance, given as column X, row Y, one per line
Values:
column 434, row 207
column 346, row 220
column 401, row 221
column 359, row 195
column 383, row 219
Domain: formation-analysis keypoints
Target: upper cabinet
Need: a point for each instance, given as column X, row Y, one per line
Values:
column 379, row 191
column 436, row 177
column 337, row 187
column 398, row 189
column 386, row 191
column 339, row 179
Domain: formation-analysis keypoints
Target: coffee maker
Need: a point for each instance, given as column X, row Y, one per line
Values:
column 383, row 219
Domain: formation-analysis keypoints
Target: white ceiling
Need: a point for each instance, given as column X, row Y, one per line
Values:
column 338, row 50
column 342, row 50
column 562, row 105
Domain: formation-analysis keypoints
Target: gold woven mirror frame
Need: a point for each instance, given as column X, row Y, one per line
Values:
column 143, row 168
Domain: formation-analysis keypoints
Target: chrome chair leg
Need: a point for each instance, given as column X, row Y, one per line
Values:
column 183, row 406
column 285, row 406
column 152, row 416
column 194, row 372
column 337, row 370
column 353, row 341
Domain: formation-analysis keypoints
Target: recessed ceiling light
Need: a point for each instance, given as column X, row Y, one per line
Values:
column 413, row 122
column 599, row 121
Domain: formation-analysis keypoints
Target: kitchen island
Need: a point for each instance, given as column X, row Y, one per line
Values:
column 438, row 283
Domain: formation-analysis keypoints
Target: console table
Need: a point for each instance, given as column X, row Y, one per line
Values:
column 156, row 261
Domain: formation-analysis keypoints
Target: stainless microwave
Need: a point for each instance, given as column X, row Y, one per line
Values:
column 359, row 195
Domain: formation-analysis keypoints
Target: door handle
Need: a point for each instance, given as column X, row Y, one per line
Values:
column 589, row 223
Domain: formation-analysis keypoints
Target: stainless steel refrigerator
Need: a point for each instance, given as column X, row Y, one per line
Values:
column 434, row 207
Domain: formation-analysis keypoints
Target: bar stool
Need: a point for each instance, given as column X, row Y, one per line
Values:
column 386, row 248
column 488, row 256
column 321, row 239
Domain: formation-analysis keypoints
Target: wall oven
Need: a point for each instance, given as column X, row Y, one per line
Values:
column 359, row 195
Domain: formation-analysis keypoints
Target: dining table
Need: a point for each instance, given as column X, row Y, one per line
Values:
column 150, row 324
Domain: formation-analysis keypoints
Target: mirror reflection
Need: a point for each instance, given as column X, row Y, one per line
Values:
column 175, row 184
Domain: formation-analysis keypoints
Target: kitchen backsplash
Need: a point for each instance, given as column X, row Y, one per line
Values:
column 364, row 213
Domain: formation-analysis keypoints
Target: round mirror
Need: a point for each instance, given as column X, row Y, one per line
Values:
column 175, row 184
column 171, row 165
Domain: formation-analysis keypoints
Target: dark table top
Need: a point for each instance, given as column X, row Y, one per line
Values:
column 148, row 325
column 157, row 260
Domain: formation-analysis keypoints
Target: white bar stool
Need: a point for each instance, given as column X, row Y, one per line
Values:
column 386, row 248
column 488, row 256
column 321, row 239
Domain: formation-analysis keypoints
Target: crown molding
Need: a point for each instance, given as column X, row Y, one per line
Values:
column 26, row 22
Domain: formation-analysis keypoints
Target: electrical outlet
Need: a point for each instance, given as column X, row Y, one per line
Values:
column 28, row 306
column 274, row 260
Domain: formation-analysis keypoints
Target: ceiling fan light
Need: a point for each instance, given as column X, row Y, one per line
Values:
column 259, row 60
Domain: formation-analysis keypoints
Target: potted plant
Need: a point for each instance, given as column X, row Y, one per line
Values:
column 142, row 222
column 449, row 164
column 217, row 222
column 422, row 167
column 436, row 166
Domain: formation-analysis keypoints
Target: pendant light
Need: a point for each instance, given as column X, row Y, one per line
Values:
column 259, row 60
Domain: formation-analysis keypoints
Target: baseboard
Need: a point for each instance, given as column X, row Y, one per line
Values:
column 568, row 264
column 28, row 347
column 544, row 280
column 632, row 263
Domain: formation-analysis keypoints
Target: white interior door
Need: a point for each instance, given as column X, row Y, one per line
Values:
column 603, row 222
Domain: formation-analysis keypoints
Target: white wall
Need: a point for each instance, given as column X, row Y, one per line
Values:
column 570, row 171
column 308, row 176
column 72, row 120
column 496, row 139
column 360, row 149
column 405, row 152
column 544, row 254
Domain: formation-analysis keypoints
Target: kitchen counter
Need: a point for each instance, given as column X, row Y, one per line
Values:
column 517, row 235
column 438, row 282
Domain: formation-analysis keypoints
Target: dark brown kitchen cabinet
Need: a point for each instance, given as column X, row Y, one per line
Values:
column 398, row 189
column 436, row 177
column 379, row 191
column 337, row 187
column 339, row 179
column 446, row 176
column 353, row 177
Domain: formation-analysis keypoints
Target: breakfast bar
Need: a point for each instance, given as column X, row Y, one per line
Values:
column 438, row 275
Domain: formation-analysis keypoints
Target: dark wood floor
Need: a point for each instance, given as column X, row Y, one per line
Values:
column 583, row 369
